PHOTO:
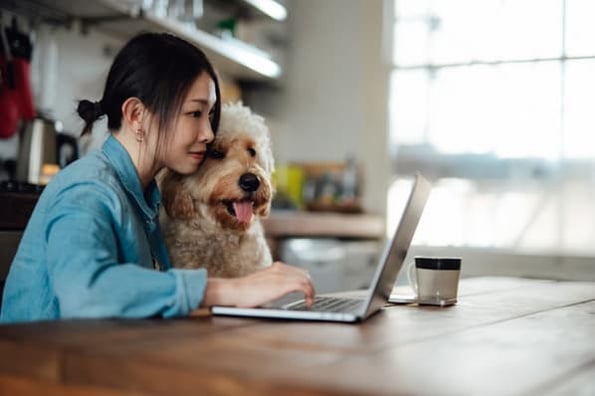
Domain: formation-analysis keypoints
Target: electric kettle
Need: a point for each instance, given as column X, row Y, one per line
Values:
column 38, row 146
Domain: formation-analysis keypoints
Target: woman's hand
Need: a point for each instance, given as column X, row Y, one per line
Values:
column 259, row 287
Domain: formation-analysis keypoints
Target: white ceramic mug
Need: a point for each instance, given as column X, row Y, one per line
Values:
column 436, row 279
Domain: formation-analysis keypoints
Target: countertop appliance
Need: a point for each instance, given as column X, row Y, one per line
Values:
column 42, row 143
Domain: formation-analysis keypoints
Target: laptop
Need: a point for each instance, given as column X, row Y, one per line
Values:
column 350, row 309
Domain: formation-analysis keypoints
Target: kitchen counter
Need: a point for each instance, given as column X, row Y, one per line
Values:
column 282, row 225
column 15, row 209
column 323, row 224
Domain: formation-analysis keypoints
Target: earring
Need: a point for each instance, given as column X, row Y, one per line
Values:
column 140, row 135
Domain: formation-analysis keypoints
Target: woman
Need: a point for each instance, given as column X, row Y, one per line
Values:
column 93, row 247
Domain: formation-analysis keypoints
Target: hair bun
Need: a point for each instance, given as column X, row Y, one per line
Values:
column 90, row 111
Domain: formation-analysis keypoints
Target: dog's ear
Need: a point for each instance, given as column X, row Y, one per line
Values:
column 176, row 200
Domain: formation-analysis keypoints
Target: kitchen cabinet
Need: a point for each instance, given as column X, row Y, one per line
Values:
column 124, row 18
column 15, row 210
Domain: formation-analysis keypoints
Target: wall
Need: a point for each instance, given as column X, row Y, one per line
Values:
column 334, row 96
column 82, row 64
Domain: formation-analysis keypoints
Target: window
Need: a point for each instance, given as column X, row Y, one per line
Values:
column 495, row 101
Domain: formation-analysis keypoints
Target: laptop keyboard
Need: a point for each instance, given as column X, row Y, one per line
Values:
column 328, row 304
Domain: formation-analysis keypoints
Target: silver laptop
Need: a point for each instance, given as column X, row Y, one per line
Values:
column 353, row 309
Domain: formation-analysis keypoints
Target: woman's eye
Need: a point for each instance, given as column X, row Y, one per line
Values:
column 197, row 114
column 216, row 154
column 252, row 152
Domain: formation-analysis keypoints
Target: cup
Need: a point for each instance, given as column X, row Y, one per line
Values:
column 436, row 280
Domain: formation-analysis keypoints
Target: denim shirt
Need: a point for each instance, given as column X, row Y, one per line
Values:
column 93, row 249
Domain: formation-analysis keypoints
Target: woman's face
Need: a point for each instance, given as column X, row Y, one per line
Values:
column 186, row 147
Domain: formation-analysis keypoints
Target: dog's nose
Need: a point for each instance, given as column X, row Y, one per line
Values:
column 249, row 182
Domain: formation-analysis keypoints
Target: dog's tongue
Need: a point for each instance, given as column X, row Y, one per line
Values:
column 243, row 211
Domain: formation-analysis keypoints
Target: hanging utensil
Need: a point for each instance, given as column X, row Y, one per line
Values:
column 9, row 110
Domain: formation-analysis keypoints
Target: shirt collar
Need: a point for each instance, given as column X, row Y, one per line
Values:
column 150, row 202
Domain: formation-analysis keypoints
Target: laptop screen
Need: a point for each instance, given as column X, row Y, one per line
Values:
column 396, row 251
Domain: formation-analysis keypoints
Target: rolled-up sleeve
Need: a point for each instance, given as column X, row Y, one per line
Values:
column 84, row 269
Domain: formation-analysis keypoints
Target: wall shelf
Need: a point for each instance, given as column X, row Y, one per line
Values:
column 236, row 58
column 269, row 8
column 125, row 18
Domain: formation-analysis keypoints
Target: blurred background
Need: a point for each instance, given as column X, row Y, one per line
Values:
column 489, row 99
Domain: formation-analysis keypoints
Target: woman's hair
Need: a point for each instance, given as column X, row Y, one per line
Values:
column 158, row 69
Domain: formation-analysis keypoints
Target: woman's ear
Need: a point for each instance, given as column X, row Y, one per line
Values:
column 176, row 200
column 133, row 111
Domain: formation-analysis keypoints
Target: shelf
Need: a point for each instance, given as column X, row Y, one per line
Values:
column 269, row 8
column 125, row 19
column 236, row 58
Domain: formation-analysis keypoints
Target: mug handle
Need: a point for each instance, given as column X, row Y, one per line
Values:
column 412, row 283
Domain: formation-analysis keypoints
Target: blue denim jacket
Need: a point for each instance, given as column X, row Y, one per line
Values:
column 92, row 246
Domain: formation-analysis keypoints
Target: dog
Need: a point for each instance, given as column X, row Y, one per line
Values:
column 211, row 218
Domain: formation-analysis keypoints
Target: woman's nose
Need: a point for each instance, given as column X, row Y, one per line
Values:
column 206, row 134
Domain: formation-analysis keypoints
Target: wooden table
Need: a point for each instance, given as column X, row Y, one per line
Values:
column 506, row 336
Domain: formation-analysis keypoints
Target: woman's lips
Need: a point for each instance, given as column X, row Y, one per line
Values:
column 199, row 156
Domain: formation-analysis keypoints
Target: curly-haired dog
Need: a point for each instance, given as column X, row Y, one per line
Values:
column 211, row 217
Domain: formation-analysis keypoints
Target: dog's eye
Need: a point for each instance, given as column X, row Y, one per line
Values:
column 252, row 152
column 216, row 154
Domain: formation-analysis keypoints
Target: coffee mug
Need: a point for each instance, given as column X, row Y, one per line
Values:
column 436, row 279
